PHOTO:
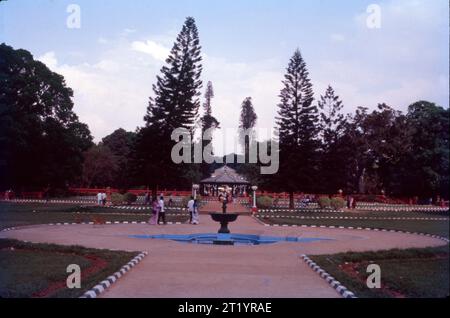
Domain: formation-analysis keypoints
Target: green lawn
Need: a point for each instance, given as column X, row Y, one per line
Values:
column 416, row 273
column 12, row 214
column 39, row 270
column 440, row 227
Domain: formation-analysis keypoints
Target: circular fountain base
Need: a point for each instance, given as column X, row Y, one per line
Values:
column 228, row 239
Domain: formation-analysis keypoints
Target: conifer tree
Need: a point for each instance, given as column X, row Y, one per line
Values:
column 298, row 126
column 333, row 159
column 175, row 104
column 247, row 122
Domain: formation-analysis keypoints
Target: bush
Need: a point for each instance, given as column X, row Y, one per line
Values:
column 324, row 202
column 264, row 202
column 129, row 198
column 117, row 198
column 337, row 203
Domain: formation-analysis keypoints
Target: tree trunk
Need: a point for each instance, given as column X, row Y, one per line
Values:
column 291, row 200
column 154, row 191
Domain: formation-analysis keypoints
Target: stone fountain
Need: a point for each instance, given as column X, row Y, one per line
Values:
column 223, row 237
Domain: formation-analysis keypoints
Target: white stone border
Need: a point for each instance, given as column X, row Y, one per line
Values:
column 412, row 209
column 341, row 289
column 90, row 203
column 85, row 223
column 357, row 228
column 354, row 217
column 105, row 284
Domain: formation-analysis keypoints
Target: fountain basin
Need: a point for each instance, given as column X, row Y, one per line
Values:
column 229, row 239
column 224, row 219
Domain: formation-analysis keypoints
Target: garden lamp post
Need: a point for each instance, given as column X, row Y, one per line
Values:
column 195, row 187
column 254, row 188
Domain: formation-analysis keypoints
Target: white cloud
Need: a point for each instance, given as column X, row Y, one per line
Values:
column 49, row 59
column 336, row 37
column 154, row 49
column 367, row 67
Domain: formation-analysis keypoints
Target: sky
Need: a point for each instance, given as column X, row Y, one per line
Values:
column 111, row 60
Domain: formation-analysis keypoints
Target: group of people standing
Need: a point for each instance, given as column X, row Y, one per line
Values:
column 159, row 214
column 101, row 198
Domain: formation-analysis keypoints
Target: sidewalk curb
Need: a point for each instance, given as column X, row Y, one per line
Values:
column 360, row 228
column 105, row 284
column 341, row 289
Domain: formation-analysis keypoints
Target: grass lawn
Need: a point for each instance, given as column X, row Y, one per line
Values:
column 13, row 214
column 416, row 273
column 39, row 270
column 440, row 227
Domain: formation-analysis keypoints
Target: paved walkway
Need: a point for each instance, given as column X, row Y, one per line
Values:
column 175, row 269
column 216, row 206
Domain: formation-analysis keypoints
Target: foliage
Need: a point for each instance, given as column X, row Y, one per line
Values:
column 247, row 123
column 337, row 203
column 129, row 197
column 99, row 167
column 324, row 202
column 264, row 202
column 117, row 198
column 174, row 105
column 297, row 121
column 121, row 143
column 41, row 139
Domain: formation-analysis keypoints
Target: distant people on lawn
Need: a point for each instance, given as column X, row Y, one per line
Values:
column 155, row 212
column 190, row 206
column 161, row 213
column 351, row 203
column 8, row 194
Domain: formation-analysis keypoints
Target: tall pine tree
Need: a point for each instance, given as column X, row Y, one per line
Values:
column 297, row 122
column 175, row 105
column 208, row 122
column 247, row 123
column 332, row 127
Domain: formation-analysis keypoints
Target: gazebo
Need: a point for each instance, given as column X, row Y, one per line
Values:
column 224, row 177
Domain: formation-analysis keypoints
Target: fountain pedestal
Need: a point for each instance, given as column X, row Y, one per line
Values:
column 224, row 219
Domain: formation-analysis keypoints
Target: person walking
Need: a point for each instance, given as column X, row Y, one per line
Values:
column 103, row 198
column 162, row 213
column 155, row 212
column 99, row 198
column 195, row 214
column 190, row 206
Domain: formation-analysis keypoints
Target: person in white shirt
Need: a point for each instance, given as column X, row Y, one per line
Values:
column 190, row 207
column 103, row 198
column 162, row 213
column 99, row 198
column 195, row 218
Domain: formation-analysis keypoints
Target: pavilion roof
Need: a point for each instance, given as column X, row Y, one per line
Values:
column 225, row 175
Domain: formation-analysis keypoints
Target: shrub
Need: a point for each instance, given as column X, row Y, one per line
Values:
column 129, row 197
column 324, row 202
column 117, row 198
column 337, row 203
column 264, row 202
